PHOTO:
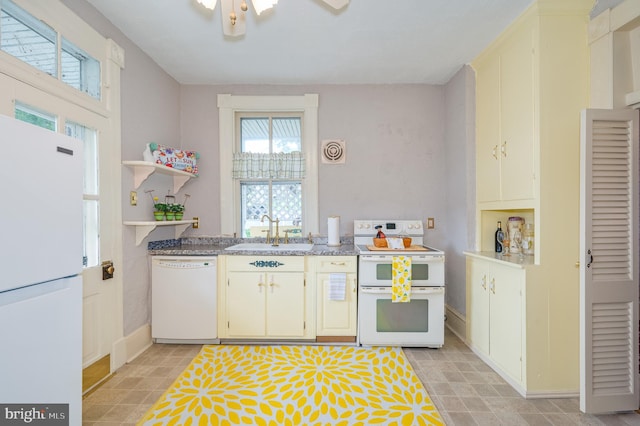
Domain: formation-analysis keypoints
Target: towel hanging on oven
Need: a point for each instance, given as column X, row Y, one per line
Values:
column 401, row 279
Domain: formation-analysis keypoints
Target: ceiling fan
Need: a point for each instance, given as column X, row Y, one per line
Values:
column 235, row 24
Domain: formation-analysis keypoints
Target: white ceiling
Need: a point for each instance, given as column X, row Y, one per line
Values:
column 307, row 42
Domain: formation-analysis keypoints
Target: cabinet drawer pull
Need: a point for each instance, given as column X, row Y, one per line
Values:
column 339, row 263
column 495, row 152
column 484, row 282
column 503, row 149
column 493, row 286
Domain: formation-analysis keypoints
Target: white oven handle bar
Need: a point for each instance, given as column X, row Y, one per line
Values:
column 414, row 290
column 414, row 258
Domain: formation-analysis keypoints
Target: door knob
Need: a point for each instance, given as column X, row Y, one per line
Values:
column 107, row 270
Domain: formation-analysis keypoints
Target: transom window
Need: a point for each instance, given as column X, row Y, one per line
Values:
column 29, row 39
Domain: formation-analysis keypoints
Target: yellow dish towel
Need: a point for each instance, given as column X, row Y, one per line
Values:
column 401, row 279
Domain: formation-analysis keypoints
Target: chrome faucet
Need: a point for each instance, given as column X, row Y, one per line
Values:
column 276, row 237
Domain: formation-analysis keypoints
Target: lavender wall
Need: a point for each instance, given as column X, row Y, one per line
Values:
column 460, row 182
column 394, row 142
column 397, row 162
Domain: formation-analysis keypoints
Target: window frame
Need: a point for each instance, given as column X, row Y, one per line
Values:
column 74, row 29
column 228, row 106
column 270, row 116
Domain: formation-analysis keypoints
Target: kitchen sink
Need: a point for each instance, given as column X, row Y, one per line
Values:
column 269, row 247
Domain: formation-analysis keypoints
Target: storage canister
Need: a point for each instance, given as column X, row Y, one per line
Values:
column 515, row 224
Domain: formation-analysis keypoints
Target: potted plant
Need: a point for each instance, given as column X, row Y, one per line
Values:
column 159, row 209
column 178, row 210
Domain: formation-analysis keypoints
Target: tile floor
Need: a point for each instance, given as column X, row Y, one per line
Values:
column 465, row 390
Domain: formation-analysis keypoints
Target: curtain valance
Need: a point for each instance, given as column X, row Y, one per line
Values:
column 249, row 165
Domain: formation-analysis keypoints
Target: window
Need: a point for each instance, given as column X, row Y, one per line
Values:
column 34, row 42
column 34, row 116
column 268, row 163
column 91, row 192
column 27, row 38
column 266, row 193
column 79, row 70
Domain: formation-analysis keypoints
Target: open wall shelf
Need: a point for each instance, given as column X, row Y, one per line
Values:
column 143, row 169
column 144, row 228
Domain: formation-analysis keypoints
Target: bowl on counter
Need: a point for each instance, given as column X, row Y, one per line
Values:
column 380, row 242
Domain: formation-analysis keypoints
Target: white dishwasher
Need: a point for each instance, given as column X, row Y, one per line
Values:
column 184, row 299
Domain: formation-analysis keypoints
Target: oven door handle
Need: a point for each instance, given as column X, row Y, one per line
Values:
column 416, row 290
column 414, row 258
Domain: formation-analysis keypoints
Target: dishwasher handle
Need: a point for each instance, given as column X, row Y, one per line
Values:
column 185, row 264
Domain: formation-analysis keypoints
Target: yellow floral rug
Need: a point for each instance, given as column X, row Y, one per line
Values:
column 295, row 385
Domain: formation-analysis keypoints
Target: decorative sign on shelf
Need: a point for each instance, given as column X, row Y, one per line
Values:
column 171, row 157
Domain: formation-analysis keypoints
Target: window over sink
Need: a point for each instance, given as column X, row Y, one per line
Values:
column 270, row 180
column 268, row 163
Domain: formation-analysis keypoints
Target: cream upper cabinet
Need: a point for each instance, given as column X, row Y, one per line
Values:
column 336, row 311
column 505, row 119
column 531, row 84
column 488, row 138
column 264, row 297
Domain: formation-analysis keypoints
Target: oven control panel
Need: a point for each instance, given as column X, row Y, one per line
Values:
column 389, row 227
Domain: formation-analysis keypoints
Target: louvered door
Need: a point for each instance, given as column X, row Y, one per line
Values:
column 609, row 263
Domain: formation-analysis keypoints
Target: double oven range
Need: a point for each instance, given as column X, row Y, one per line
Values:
column 417, row 323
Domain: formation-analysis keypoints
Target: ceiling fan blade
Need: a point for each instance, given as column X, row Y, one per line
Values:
column 337, row 4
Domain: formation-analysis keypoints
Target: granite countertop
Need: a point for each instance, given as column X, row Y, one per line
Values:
column 513, row 260
column 214, row 246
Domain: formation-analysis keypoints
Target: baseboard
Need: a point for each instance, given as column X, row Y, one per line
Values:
column 456, row 322
column 129, row 347
column 538, row 394
column 553, row 394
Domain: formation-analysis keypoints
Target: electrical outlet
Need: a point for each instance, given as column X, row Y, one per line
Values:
column 133, row 198
column 431, row 223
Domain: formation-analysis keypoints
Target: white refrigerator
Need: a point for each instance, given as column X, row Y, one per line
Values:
column 41, row 258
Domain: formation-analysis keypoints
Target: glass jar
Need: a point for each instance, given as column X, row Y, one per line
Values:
column 528, row 237
column 514, row 228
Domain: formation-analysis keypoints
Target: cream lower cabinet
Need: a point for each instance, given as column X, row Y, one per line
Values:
column 494, row 314
column 336, row 319
column 264, row 297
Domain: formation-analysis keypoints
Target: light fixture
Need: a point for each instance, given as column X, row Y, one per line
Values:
column 235, row 24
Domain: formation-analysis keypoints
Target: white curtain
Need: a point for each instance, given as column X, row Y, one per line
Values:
column 247, row 165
